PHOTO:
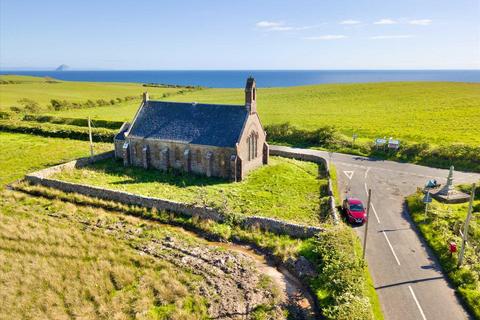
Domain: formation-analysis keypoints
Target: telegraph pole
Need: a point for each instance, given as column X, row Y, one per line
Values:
column 90, row 138
column 366, row 223
column 465, row 227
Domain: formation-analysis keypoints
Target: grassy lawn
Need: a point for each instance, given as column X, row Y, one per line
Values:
column 285, row 189
column 22, row 153
column 441, row 226
column 57, row 262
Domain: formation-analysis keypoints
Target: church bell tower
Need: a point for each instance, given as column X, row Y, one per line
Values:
column 251, row 96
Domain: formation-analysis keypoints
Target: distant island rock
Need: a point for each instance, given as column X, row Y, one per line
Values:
column 62, row 67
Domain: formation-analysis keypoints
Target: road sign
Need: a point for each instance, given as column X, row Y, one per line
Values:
column 349, row 174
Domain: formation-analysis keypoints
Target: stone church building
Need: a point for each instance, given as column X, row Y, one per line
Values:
column 216, row 140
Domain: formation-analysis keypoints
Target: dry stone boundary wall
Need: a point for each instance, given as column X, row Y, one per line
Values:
column 42, row 177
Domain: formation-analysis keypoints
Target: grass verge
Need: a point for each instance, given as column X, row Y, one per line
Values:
column 441, row 226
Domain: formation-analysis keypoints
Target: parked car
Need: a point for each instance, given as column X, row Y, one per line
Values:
column 354, row 211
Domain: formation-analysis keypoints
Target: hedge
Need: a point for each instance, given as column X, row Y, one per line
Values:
column 58, row 131
column 80, row 122
column 341, row 282
column 462, row 156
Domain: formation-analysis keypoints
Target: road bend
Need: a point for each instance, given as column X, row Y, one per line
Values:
column 406, row 275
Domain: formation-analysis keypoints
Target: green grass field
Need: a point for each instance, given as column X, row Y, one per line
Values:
column 441, row 226
column 42, row 91
column 432, row 112
column 23, row 153
column 285, row 189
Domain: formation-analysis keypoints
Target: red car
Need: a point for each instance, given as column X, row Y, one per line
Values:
column 354, row 211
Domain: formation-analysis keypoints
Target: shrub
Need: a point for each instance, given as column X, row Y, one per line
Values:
column 16, row 109
column 73, row 121
column 341, row 282
column 29, row 105
column 4, row 115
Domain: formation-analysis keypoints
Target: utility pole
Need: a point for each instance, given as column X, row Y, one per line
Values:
column 465, row 227
column 90, row 138
column 366, row 224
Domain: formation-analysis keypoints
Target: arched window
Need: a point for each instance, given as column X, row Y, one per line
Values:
column 252, row 141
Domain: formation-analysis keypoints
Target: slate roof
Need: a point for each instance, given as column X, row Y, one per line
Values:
column 205, row 124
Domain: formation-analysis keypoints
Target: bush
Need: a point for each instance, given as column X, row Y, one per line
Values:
column 29, row 105
column 4, row 115
column 73, row 121
column 341, row 282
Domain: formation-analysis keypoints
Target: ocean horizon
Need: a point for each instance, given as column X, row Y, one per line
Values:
column 264, row 78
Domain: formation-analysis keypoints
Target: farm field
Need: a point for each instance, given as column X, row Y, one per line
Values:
column 442, row 225
column 23, row 153
column 285, row 189
column 42, row 90
column 438, row 113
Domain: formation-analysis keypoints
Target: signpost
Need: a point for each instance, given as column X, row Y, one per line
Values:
column 465, row 228
column 354, row 137
column 427, row 199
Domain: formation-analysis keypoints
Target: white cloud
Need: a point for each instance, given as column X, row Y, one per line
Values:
column 280, row 26
column 268, row 24
column 398, row 36
column 349, row 22
column 385, row 21
column 327, row 37
column 420, row 22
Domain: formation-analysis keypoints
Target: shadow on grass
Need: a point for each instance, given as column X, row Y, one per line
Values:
column 136, row 175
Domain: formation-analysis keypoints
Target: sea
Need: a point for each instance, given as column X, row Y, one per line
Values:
column 264, row 78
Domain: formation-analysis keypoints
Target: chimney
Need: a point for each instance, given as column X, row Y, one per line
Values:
column 251, row 95
column 145, row 96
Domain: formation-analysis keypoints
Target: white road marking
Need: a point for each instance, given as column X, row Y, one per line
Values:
column 366, row 172
column 349, row 174
column 392, row 170
column 366, row 188
column 418, row 304
column 375, row 212
column 391, row 248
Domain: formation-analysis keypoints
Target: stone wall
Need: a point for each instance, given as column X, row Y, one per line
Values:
column 199, row 159
column 42, row 177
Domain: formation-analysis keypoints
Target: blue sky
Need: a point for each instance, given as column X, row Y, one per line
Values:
column 223, row 34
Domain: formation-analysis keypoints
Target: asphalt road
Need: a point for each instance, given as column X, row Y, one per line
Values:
column 407, row 277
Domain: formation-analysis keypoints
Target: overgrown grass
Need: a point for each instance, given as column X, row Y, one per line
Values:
column 441, row 226
column 22, row 153
column 285, row 189
column 349, row 296
column 58, row 262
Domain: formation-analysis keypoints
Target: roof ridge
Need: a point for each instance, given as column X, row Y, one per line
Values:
column 198, row 103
